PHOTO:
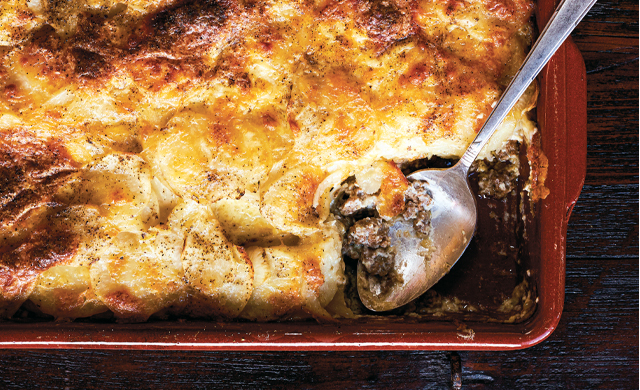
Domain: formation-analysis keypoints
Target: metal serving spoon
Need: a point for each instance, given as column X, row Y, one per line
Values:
column 453, row 214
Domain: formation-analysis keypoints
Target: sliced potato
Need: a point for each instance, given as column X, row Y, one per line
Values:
column 243, row 224
column 121, row 185
column 290, row 280
column 140, row 274
column 65, row 292
column 69, row 236
column 287, row 199
column 218, row 273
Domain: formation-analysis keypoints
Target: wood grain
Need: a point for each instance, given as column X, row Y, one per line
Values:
column 594, row 346
column 604, row 223
column 183, row 370
column 608, row 40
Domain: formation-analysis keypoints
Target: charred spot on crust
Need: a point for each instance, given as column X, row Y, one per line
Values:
column 89, row 65
column 58, row 10
column 97, row 33
column 86, row 56
column 126, row 305
column 382, row 17
column 100, row 43
column 453, row 6
column 12, row 93
column 45, row 52
column 384, row 20
column 187, row 26
column 44, row 248
column 31, row 171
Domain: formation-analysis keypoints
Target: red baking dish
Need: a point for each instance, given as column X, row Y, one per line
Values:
column 562, row 118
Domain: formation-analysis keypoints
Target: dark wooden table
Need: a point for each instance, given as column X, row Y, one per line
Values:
column 595, row 345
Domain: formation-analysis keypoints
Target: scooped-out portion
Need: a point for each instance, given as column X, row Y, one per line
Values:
column 494, row 279
column 367, row 238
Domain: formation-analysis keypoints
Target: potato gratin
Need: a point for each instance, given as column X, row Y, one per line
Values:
column 168, row 157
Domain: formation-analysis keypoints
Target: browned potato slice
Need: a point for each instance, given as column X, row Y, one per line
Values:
column 140, row 274
column 243, row 224
column 218, row 273
column 65, row 292
column 121, row 185
column 290, row 281
column 288, row 199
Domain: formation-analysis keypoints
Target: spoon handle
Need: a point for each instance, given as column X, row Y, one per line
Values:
column 564, row 20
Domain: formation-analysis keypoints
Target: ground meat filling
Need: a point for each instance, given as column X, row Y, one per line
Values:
column 367, row 241
column 367, row 234
column 357, row 201
column 418, row 199
column 498, row 178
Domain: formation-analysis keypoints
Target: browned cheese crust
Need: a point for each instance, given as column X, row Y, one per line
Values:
column 169, row 157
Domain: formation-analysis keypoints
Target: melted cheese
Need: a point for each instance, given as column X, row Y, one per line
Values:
column 188, row 128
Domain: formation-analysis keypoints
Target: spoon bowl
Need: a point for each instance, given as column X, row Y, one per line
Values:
column 418, row 262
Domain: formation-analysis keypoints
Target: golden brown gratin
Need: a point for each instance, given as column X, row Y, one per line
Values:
column 164, row 157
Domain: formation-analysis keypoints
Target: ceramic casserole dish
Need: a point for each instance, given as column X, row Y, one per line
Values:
column 561, row 116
